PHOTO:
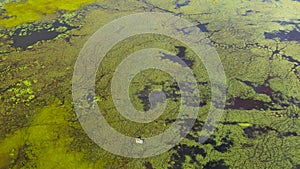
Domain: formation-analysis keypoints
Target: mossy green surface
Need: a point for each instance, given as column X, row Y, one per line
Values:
column 17, row 13
column 45, row 143
column 38, row 125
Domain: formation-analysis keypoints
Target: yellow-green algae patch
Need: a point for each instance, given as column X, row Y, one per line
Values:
column 31, row 10
column 45, row 143
column 244, row 124
column 22, row 92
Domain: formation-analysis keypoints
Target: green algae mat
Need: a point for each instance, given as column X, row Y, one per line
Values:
column 257, row 41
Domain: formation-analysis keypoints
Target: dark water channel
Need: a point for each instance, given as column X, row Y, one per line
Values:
column 179, row 4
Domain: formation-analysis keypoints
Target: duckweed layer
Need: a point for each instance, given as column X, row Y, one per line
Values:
column 17, row 13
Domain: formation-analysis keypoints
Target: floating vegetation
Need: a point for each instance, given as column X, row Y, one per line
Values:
column 258, row 44
column 21, row 93
column 17, row 13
